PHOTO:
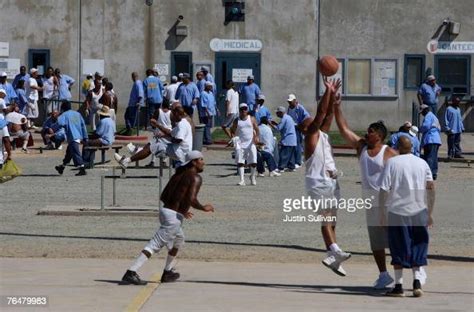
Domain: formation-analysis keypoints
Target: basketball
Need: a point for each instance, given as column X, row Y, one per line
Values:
column 328, row 65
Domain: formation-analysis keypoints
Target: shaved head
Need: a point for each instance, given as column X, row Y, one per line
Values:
column 404, row 145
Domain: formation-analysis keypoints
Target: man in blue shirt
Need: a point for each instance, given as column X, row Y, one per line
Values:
column 52, row 132
column 261, row 110
column 188, row 95
column 200, row 81
column 76, row 132
column 21, row 76
column 429, row 92
column 431, row 139
column 410, row 132
column 207, row 111
column 134, row 103
column 288, row 140
column 249, row 93
column 5, row 85
column 103, row 136
column 65, row 83
column 153, row 93
column 298, row 113
column 265, row 148
column 207, row 74
column 453, row 128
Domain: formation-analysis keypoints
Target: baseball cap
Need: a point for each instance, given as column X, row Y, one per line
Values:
column 281, row 109
column 250, row 77
column 261, row 97
column 242, row 105
column 208, row 83
column 413, row 131
column 3, row 91
column 291, row 97
column 3, row 74
column 205, row 69
column 33, row 70
column 174, row 78
column 407, row 124
column 192, row 155
column 431, row 77
column 186, row 75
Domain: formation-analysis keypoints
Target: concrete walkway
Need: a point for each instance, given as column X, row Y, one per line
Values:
column 92, row 285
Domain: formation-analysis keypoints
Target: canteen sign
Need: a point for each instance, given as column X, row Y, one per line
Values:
column 453, row 47
column 228, row 45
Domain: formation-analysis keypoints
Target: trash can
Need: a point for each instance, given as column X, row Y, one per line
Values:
column 198, row 137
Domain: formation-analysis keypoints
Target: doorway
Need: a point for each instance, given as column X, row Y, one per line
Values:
column 39, row 59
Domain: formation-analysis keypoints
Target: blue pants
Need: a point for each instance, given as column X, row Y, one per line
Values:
column 207, row 120
column 151, row 108
column 430, row 155
column 265, row 157
column 287, row 157
column 408, row 239
column 454, row 145
column 73, row 152
column 299, row 147
column 131, row 116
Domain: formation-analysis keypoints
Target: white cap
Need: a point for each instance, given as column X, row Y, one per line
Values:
column 3, row 91
column 242, row 105
column 250, row 77
column 204, row 68
column 431, row 77
column 291, row 97
column 413, row 130
column 192, row 155
column 423, row 106
column 261, row 97
column 208, row 83
column 33, row 70
column 281, row 109
column 3, row 74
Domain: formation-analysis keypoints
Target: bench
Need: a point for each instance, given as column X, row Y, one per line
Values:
column 103, row 149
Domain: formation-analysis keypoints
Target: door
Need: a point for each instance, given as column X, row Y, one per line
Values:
column 181, row 62
column 39, row 59
column 236, row 67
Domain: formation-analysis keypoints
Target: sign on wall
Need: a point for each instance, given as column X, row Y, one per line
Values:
column 162, row 69
column 385, row 74
column 10, row 66
column 450, row 47
column 90, row 66
column 235, row 45
column 4, row 49
column 241, row 74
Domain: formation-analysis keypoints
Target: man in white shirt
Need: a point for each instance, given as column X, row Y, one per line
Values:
column 170, row 90
column 406, row 182
column 4, row 142
column 176, row 142
column 232, row 107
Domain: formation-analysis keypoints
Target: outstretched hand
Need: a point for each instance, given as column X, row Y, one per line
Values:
column 208, row 208
column 332, row 84
column 188, row 215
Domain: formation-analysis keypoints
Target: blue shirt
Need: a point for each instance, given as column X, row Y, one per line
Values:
column 52, row 124
column 208, row 102
column 64, row 84
column 201, row 85
column 262, row 112
column 266, row 137
column 429, row 93
column 287, row 131
column 299, row 113
column 415, row 143
column 136, row 94
column 74, row 126
column 187, row 93
column 453, row 120
column 11, row 94
column 22, row 100
column 210, row 78
column 249, row 94
column 153, row 89
column 106, row 131
column 19, row 77
column 430, row 129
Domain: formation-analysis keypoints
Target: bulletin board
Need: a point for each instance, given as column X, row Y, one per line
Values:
column 90, row 66
column 385, row 78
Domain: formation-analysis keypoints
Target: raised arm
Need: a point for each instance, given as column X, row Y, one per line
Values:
column 353, row 139
column 326, row 125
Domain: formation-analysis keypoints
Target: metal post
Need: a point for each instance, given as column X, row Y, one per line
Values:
column 102, row 199
column 160, row 178
column 137, row 120
column 114, row 180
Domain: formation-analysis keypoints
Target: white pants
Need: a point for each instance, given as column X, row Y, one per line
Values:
column 169, row 234
column 248, row 154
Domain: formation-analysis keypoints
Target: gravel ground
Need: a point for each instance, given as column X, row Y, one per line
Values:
column 247, row 224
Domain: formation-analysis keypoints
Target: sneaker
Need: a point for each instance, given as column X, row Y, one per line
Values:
column 131, row 148
column 241, row 183
column 253, row 181
column 49, row 147
column 397, row 291
column 121, row 160
column 24, row 150
column 60, row 147
column 261, row 175
column 423, row 276
column 151, row 164
column 331, row 263
column 275, row 173
column 82, row 172
column 132, row 277
column 417, row 291
column 297, row 166
column 59, row 169
column 169, row 276
column 290, row 170
column 341, row 256
column 383, row 281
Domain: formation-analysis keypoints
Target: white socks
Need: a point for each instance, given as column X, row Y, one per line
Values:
column 253, row 172
column 417, row 273
column 334, row 247
column 169, row 262
column 398, row 276
column 127, row 160
column 241, row 171
column 138, row 262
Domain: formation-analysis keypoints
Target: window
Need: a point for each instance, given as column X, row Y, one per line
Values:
column 414, row 71
column 181, row 62
column 453, row 73
column 358, row 77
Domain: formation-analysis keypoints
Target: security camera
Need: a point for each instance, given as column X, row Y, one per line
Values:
column 180, row 17
column 446, row 21
column 149, row 2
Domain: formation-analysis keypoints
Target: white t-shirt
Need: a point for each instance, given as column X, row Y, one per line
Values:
column 3, row 133
column 48, row 87
column 183, row 132
column 16, row 118
column 32, row 94
column 164, row 119
column 405, row 178
column 170, row 92
column 233, row 98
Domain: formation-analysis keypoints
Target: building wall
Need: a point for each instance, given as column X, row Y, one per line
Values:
column 118, row 31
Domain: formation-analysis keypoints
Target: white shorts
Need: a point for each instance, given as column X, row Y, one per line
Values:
column 248, row 154
column 173, row 151
column 169, row 234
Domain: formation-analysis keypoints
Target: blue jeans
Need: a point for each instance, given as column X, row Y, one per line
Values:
column 265, row 157
column 131, row 116
column 299, row 147
column 287, row 157
column 73, row 152
column 207, row 120
column 454, row 145
column 430, row 155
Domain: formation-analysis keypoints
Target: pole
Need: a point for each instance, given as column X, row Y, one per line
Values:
column 114, row 194
column 102, row 199
column 80, row 53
